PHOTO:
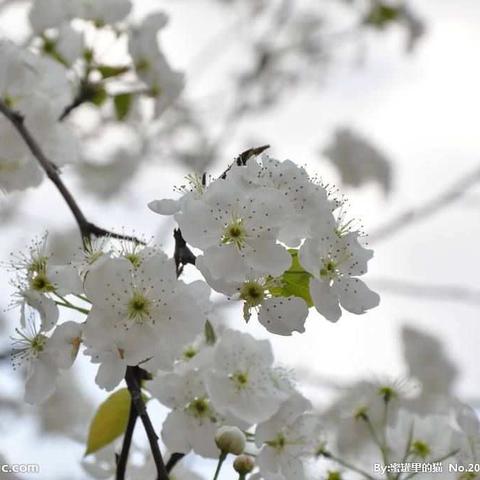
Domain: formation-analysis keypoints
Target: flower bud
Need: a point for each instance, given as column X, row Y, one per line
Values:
column 243, row 464
column 230, row 440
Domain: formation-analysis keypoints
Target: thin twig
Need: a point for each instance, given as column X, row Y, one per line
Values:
column 131, row 377
column 414, row 215
column 243, row 158
column 127, row 441
column 173, row 460
column 87, row 229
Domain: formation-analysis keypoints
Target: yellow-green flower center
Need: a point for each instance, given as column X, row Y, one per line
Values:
column 420, row 448
column 41, row 283
column 240, row 379
column 278, row 443
column 253, row 293
column 329, row 269
column 199, row 407
column 139, row 307
column 235, row 234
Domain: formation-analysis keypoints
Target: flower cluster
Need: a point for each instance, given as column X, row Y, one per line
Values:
column 62, row 67
column 266, row 229
column 137, row 311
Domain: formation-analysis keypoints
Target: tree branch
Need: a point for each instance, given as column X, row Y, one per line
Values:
column 127, row 440
column 87, row 229
column 132, row 378
column 173, row 460
column 414, row 215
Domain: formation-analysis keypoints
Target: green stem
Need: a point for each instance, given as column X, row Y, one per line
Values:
column 221, row 459
column 73, row 307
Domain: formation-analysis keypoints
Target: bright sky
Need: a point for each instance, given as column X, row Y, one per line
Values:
column 422, row 110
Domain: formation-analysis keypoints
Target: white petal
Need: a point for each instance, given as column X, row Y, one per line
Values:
column 110, row 372
column 226, row 263
column 355, row 296
column 174, row 432
column 64, row 343
column 309, row 256
column 283, row 316
column 265, row 256
column 325, row 299
column 108, row 280
column 41, row 380
column 45, row 306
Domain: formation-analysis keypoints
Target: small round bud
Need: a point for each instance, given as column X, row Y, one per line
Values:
column 243, row 464
column 230, row 440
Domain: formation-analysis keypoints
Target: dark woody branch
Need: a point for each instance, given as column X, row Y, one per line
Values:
column 87, row 228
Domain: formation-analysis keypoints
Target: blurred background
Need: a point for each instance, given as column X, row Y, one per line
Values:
column 378, row 98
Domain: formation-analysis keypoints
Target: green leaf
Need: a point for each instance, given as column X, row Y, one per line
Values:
column 210, row 336
column 294, row 282
column 110, row 421
column 381, row 15
column 122, row 104
column 98, row 96
column 108, row 71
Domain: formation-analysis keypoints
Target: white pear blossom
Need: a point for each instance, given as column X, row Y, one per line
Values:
column 29, row 350
column 38, row 279
column 335, row 260
column 306, row 202
column 44, row 356
column 236, row 230
column 243, row 381
column 279, row 315
column 140, row 311
column 194, row 419
column 287, row 439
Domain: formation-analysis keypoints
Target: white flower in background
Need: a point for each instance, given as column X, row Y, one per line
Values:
column 243, row 381
column 424, row 438
column 287, row 439
column 46, row 14
column 279, row 315
column 358, row 161
column 194, row 419
column 428, row 362
column 103, row 11
column 141, row 311
column 361, row 408
column 37, row 88
column 69, row 44
column 335, row 260
column 164, row 83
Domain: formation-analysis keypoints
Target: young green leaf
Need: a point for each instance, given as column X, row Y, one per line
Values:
column 122, row 104
column 110, row 421
column 108, row 71
column 294, row 282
